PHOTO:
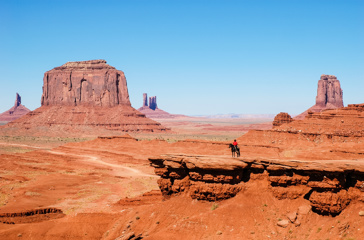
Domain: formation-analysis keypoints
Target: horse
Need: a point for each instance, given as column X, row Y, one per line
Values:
column 234, row 149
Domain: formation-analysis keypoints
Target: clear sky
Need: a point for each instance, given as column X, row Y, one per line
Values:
column 197, row 57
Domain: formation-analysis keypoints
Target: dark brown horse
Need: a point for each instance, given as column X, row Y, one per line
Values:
column 234, row 149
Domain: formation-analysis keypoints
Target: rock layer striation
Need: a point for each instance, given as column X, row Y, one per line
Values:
column 91, row 83
column 282, row 118
column 319, row 159
column 330, row 186
column 329, row 92
column 329, row 95
column 88, row 98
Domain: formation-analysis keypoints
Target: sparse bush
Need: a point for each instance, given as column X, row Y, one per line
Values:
column 214, row 206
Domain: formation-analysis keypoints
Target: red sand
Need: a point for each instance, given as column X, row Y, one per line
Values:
column 106, row 189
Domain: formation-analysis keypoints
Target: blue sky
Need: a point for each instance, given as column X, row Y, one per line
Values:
column 197, row 57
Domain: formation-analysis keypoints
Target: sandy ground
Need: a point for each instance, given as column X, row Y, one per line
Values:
column 106, row 189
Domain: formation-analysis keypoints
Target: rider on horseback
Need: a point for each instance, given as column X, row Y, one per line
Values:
column 234, row 149
column 235, row 143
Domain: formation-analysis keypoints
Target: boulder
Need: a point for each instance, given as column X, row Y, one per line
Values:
column 283, row 223
column 292, row 216
column 304, row 209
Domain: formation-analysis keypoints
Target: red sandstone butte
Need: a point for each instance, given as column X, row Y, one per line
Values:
column 91, row 83
column 281, row 118
column 87, row 98
column 329, row 96
column 17, row 111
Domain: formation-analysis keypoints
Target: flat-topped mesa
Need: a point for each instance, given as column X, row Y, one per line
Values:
column 329, row 92
column 90, row 64
column 90, row 83
column 88, row 98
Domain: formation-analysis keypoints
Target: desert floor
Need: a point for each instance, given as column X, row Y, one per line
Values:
column 104, row 188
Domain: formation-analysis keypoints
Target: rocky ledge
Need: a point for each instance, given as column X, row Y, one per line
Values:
column 329, row 185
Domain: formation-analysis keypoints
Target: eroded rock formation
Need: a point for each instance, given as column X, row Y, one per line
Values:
column 318, row 159
column 151, row 110
column 329, row 95
column 330, row 134
column 17, row 111
column 281, row 118
column 84, row 98
column 153, row 103
column 92, row 83
column 329, row 185
column 145, row 100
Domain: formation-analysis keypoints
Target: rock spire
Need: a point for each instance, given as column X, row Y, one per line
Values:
column 17, row 111
column 329, row 96
column 329, row 92
column 152, row 102
column 145, row 100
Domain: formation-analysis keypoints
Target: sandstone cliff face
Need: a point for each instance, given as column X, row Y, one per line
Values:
column 92, row 83
column 330, row 186
column 329, row 93
column 317, row 159
column 17, row 111
column 329, row 96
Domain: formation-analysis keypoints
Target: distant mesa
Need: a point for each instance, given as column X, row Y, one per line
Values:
column 84, row 98
column 329, row 96
column 151, row 110
column 17, row 111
